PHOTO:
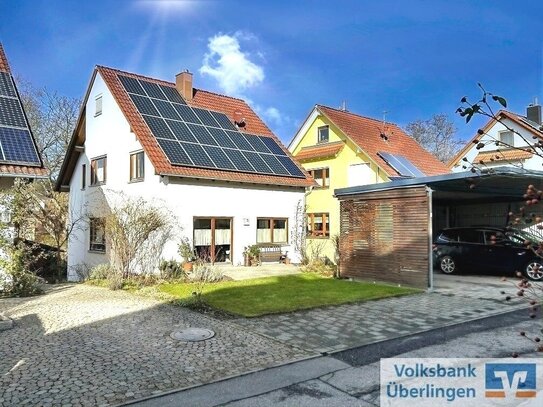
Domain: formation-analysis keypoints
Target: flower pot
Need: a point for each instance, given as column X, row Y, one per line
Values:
column 187, row 267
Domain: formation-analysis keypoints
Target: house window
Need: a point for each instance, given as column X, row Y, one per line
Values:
column 507, row 138
column 271, row 230
column 318, row 225
column 137, row 170
column 322, row 134
column 97, row 235
column 321, row 176
column 83, row 176
column 98, row 171
column 98, row 105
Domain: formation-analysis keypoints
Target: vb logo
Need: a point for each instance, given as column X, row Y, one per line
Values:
column 510, row 380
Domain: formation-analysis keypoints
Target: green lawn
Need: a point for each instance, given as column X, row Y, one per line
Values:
column 261, row 296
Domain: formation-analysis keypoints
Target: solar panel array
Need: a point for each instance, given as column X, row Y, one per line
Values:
column 194, row 137
column 401, row 164
column 16, row 144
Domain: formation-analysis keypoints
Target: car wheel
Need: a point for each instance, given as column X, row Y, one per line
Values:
column 447, row 265
column 534, row 270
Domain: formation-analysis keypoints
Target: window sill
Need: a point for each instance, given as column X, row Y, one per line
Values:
column 98, row 184
column 97, row 251
column 97, row 114
column 317, row 237
column 136, row 180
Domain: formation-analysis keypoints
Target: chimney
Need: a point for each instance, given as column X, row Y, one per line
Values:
column 183, row 84
column 533, row 112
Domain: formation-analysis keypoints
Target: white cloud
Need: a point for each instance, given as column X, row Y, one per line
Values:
column 273, row 114
column 229, row 65
column 169, row 6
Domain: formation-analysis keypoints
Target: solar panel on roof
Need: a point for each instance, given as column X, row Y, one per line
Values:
column 131, row 85
column 205, row 117
column 186, row 114
column 401, row 164
column 202, row 135
column 239, row 140
column 172, row 94
column 11, row 113
column 221, row 137
column 152, row 90
column 272, row 145
column 203, row 138
column 17, row 146
column 144, row 105
column 166, row 109
column 175, row 153
column 223, row 120
column 6, row 85
column 181, row 131
column 198, row 155
column 158, row 127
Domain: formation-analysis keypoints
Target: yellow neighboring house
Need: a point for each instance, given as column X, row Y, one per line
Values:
column 342, row 149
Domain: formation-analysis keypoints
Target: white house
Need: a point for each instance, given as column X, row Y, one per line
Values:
column 499, row 146
column 207, row 157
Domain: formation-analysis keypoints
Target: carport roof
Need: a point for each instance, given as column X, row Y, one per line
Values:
column 496, row 184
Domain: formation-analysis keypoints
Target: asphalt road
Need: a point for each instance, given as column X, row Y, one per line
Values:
column 351, row 377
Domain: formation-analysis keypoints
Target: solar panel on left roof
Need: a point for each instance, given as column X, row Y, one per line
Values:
column 11, row 113
column 6, row 85
column 17, row 146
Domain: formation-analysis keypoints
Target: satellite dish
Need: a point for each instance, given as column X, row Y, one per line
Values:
column 239, row 118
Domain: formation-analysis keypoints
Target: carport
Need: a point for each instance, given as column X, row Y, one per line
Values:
column 387, row 228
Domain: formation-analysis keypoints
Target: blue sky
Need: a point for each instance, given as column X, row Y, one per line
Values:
column 410, row 58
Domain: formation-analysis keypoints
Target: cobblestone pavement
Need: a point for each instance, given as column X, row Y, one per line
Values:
column 456, row 299
column 81, row 346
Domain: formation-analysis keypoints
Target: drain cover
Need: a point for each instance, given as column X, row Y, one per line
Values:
column 192, row 334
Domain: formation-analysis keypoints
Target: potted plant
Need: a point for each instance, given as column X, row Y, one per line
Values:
column 186, row 251
column 251, row 255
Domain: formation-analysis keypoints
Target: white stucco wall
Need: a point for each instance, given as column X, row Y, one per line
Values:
column 109, row 134
column 534, row 163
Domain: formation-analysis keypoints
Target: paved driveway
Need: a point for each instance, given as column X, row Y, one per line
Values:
column 455, row 299
column 81, row 345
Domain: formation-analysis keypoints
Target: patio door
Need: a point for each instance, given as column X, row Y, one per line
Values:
column 213, row 239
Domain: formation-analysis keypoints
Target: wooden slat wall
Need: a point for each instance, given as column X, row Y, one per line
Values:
column 385, row 237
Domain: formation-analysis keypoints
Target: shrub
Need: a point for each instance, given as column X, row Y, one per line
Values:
column 321, row 267
column 171, row 269
column 16, row 279
column 101, row 272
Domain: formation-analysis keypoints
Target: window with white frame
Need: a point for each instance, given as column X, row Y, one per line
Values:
column 137, row 169
column 323, row 134
column 98, row 171
column 507, row 138
column 97, row 234
column 271, row 230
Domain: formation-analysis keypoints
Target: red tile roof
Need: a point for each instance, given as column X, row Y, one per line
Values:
column 366, row 134
column 320, row 151
column 485, row 157
column 206, row 100
column 11, row 169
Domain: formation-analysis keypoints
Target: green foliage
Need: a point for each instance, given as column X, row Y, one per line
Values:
column 171, row 269
column 18, row 280
column 252, row 251
column 185, row 250
column 101, row 272
column 320, row 267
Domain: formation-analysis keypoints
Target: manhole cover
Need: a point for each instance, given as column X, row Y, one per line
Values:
column 192, row 334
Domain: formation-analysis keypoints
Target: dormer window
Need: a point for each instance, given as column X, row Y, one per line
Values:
column 323, row 134
column 507, row 138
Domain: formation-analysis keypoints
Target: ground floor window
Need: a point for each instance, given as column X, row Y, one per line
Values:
column 213, row 239
column 318, row 225
column 271, row 230
column 97, row 234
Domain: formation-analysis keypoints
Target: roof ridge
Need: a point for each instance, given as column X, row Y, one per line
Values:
column 358, row 115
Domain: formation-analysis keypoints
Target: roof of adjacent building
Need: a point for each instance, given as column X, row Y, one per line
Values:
column 373, row 136
column 202, row 99
column 14, row 170
column 533, row 128
column 485, row 157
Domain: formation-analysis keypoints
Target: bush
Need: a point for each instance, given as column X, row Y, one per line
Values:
column 16, row 279
column 101, row 272
column 171, row 269
column 203, row 273
column 321, row 267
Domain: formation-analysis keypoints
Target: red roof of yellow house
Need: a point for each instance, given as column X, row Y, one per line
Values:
column 15, row 169
column 320, row 151
column 373, row 137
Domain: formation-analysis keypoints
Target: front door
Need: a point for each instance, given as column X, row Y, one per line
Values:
column 213, row 239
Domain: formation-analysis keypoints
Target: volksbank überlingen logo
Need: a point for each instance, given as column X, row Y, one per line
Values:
column 510, row 380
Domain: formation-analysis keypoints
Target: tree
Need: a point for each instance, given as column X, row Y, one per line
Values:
column 437, row 135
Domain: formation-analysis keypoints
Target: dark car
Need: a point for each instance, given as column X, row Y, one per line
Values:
column 488, row 250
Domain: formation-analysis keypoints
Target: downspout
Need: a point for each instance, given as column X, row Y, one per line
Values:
column 430, row 241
